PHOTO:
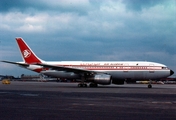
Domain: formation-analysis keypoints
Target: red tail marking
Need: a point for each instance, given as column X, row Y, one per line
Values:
column 27, row 54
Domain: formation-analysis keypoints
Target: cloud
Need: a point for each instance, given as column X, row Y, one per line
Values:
column 91, row 29
column 138, row 5
column 52, row 6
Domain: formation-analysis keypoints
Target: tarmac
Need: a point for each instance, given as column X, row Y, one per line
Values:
column 65, row 101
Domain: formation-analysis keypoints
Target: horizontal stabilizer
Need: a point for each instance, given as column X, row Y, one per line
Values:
column 16, row 63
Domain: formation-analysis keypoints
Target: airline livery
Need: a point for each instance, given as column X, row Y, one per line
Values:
column 93, row 72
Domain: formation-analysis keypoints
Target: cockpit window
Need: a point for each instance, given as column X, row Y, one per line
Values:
column 164, row 67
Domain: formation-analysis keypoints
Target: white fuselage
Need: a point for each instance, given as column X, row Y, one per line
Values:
column 137, row 70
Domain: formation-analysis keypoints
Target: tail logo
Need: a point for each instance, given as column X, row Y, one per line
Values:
column 26, row 53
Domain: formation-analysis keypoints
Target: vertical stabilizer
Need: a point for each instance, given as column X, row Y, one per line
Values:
column 27, row 54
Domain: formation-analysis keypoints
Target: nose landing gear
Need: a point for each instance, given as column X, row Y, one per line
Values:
column 150, row 84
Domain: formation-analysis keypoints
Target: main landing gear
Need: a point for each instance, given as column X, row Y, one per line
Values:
column 85, row 85
column 93, row 85
column 150, row 84
column 82, row 85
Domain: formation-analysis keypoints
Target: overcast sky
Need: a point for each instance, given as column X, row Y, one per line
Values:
column 91, row 30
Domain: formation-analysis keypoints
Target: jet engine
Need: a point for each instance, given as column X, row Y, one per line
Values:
column 103, row 79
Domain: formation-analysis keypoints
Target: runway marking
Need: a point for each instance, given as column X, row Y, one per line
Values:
column 167, row 102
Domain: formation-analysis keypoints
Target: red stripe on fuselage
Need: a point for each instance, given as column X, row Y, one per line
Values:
column 115, row 67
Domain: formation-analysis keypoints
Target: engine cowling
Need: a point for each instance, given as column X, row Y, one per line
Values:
column 103, row 79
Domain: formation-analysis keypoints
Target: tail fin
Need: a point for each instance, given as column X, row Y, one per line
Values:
column 27, row 54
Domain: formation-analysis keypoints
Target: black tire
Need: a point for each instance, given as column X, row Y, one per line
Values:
column 84, row 85
column 93, row 85
column 80, row 85
column 149, row 86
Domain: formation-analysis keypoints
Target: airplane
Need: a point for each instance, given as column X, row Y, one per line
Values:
column 92, row 72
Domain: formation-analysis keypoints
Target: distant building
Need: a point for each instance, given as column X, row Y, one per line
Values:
column 29, row 77
column 6, row 77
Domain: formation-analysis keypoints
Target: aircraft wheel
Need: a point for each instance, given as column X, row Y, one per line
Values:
column 90, row 85
column 149, row 86
column 82, row 85
column 85, row 85
column 93, row 85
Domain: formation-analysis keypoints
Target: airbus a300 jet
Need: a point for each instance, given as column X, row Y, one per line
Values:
column 92, row 72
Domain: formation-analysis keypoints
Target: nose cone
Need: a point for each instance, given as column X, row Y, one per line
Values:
column 171, row 72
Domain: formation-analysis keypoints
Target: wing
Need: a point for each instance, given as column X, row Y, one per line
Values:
column 16, row 63
column 67, row 69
